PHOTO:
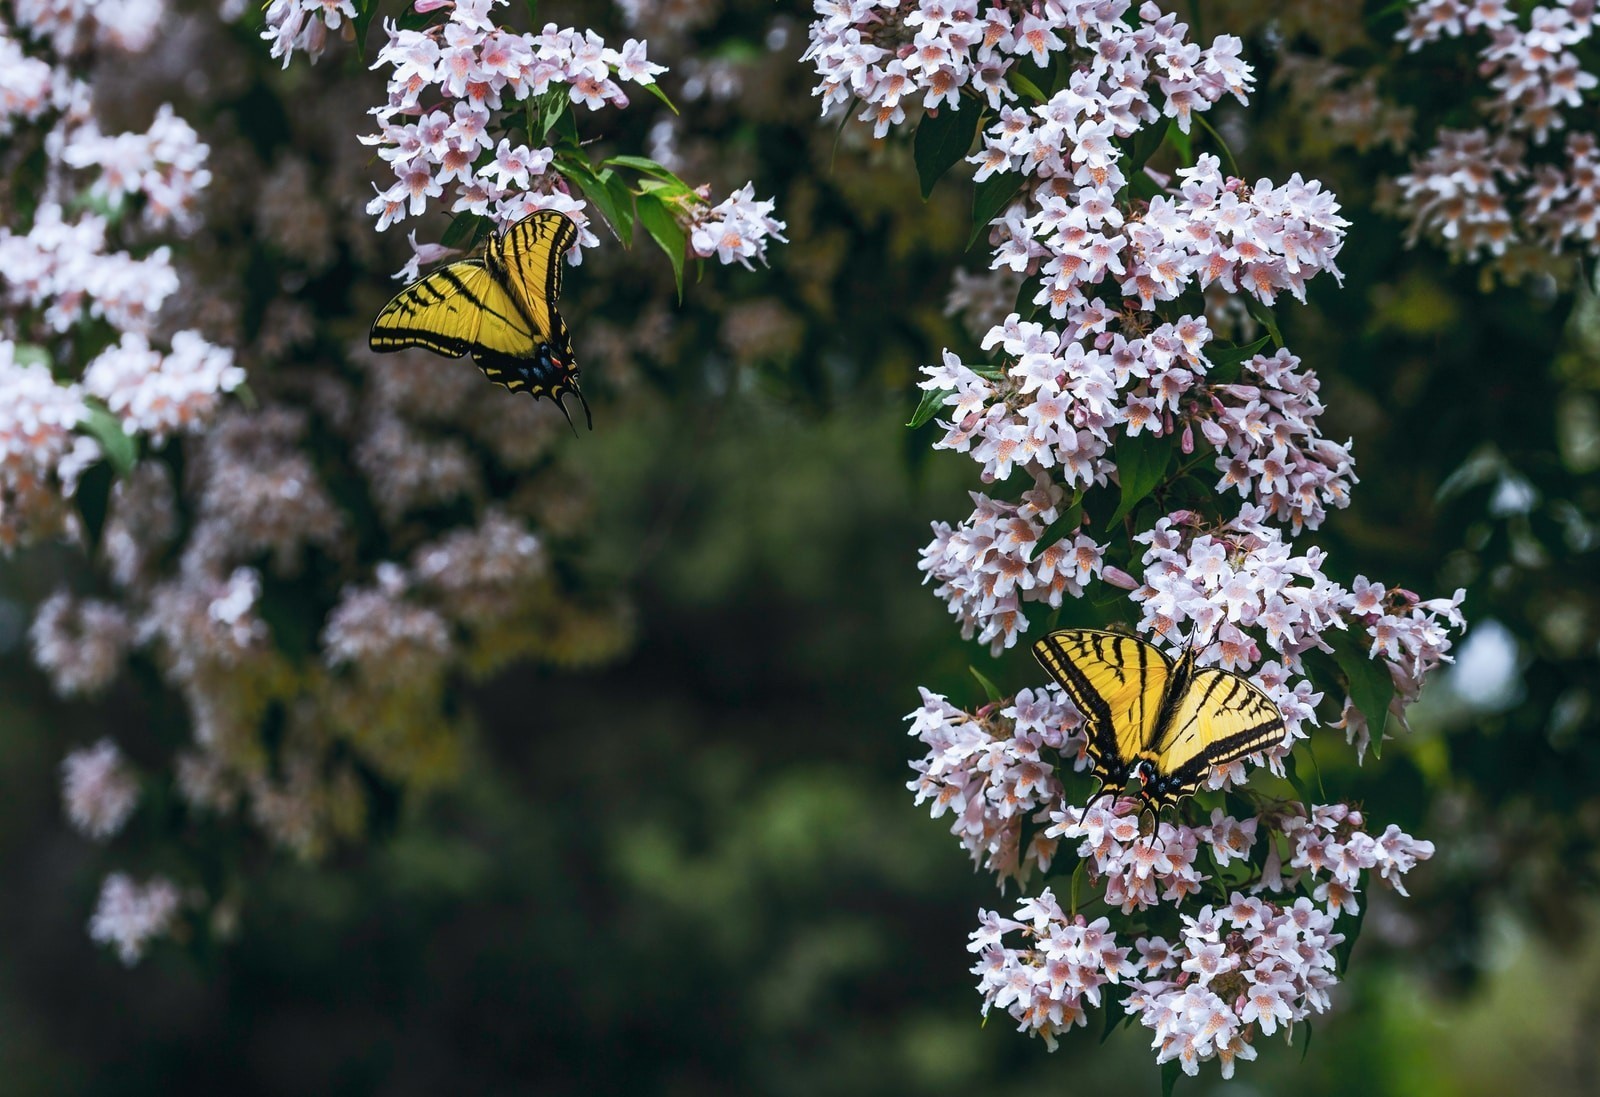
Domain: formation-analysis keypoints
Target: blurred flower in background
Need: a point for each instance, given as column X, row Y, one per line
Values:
column 368, row 671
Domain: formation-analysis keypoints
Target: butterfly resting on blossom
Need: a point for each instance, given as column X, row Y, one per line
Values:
column 1165, row 723
column 500, row 307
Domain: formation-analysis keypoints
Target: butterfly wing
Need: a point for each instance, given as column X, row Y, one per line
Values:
column 481, row 307
column 458, row 309
column 529, row 257
column 1221, row 718
column 1117, row 682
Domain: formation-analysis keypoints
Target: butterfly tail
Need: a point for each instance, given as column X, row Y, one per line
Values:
column 556, row 400
column 588, row 417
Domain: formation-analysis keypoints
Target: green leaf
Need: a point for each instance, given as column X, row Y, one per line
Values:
column 941, row 142
column 1368, row 681
column 655, row 90
column 1265, row 318
column 1066, row 523
column 1352, row 932
column 1113, row 997
column 1144, row 145
column 465, row 231
column 1305, row 1048
column 622, row 199
column 120, row 449
column 1227, row 363
column 1182, row 143
column 1027, row 87
column 365, row 10
column 645, row 166
column 989, row 198
column 597, row 189
column 990, row 690
column 1170, row 1071
column 1026, row 292
column 932, row 400
column 551, row 105
column 667, row 192
column 30, row 354
column 93, row 498
column 1292, row 774
column 664, row 229
column 1141, row 463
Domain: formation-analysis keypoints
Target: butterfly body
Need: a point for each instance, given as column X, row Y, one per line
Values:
column 499, row 307
column 1165, row 723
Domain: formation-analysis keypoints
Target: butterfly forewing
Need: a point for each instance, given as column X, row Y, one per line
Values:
column 1117, row 682
column 456, row 309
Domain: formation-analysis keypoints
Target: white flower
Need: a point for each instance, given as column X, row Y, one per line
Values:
column 98, row 790
column 130, row 915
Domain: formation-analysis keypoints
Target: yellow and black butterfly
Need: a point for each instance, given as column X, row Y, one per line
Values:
column 500, row 307
column 1165, row 723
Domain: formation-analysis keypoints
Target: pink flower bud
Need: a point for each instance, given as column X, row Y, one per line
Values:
column 1119, row 578
column 423, row 7
column 1186, row 443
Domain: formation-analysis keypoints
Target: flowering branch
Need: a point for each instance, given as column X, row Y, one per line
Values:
column 317, row 571
column 483, row 119
column 1110, row 398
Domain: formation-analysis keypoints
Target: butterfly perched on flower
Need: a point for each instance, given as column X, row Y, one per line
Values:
column 1165, row 723
column 499, row 307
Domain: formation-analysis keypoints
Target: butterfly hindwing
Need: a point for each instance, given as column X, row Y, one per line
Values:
column 1220, row 718
column 1117, row 682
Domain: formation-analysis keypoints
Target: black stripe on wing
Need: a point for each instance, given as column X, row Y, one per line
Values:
column 1057, row 657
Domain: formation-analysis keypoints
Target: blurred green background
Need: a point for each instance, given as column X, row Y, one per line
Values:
column 697, row 870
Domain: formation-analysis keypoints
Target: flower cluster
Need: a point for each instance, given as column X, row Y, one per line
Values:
column 990, row 772
column 991, row 563
column 165, row 166
column 26, row 84
column 1046, row 984
column 70, row 26
column 472, row 68
column 130, row 915
column 98, row 790
column 887, row 56
column 79, row 643
column 1476, row 191
column 60, row 266
column 438, row 130
column 1260, row 961
column 736, row 229
column 1088, row 398
column 162, row 394
column 40, row 456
